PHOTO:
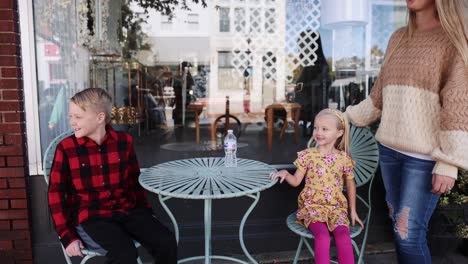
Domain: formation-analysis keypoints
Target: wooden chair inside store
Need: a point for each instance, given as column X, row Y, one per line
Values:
column 92, row 248
column 230, row 122
column 364, row 151
column 292, row 111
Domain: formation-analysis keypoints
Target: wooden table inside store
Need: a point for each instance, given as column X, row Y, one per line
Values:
column 293, row 111
column 198, row 108
column 208, row 179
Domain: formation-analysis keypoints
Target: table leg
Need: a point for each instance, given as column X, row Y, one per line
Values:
column 270, row 127
column 213, row 135
column 296, row 116
column 162, row 200
column 197, row 127
column 256, row 198
column 207, row 231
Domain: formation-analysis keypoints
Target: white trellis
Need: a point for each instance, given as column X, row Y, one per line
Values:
column 258, row 36
column 302, row 24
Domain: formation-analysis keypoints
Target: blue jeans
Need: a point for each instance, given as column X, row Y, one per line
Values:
column 408, row 184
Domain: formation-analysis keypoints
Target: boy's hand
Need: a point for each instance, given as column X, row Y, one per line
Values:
column 74, row 248
column 355, row 218
column 280, row 174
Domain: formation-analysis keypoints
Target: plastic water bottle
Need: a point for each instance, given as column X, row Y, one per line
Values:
column 230, row 149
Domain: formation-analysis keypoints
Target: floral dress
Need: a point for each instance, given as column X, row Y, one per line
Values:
column 322, row 199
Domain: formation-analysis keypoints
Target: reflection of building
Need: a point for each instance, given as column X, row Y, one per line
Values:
column 50, row 64
column 206, row 37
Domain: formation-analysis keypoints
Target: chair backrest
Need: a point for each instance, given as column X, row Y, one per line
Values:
column 50, row 153
column 364, row 152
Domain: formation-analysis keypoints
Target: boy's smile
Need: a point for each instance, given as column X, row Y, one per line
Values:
column 87, row 123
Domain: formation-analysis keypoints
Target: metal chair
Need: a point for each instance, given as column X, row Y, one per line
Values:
column 364, row 151
column 93, row 249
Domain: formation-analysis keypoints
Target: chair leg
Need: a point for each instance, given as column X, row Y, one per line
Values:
column 139, row 260
column 67, row 258
column 298, row 251
column 356, row 248
column 309, row 247
column 86, row 258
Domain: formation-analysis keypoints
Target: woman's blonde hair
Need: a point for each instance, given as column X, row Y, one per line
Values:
column 453, row 17
column 342, row 143
column 95, row 99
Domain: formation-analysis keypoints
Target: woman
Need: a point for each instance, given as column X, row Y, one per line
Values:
column 421, row 98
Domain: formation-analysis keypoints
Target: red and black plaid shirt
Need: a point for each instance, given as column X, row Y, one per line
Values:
column 90, row 180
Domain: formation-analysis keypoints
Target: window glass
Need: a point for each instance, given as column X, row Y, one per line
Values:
column 252, row 61
column 224, row 20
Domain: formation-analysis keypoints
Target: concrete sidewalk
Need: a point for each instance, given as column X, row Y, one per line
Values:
column 383, row 253
column 382, row 257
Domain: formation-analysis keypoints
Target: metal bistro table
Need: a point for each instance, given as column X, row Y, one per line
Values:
column 208, row 179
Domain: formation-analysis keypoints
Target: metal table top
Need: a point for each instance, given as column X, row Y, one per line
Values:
column 207, row 178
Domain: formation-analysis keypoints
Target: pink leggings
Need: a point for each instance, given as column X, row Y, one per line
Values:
column 322, row 243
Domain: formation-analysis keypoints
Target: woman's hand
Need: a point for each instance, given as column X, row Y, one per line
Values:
column 355, row 218
column 441, row 183
column 280, row 174
column 74, row 248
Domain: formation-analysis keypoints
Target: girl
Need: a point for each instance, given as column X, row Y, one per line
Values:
column 421, row 100
column 322, row 206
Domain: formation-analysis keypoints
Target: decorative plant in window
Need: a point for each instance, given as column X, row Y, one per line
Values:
column 102, row 24
column 458, row 197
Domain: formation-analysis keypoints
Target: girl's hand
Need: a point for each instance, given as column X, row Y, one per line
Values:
column 280, row 174
column 355, row 218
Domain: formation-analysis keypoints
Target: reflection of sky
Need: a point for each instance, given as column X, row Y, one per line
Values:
column 385, row 20
column 350, row 41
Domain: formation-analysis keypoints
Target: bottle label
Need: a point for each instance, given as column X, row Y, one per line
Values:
column 230, row 145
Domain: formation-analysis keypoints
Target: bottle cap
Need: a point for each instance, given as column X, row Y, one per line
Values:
column 230, row 131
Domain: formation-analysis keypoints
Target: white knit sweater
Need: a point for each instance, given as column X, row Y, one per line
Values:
column 421, row 98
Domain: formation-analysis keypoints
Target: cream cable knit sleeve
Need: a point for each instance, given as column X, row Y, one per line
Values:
column 452, row 151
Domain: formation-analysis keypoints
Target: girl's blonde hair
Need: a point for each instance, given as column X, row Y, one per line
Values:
column 95, row 99
column 453, row 17
column 342, row 143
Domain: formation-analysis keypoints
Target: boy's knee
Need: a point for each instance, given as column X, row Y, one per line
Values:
column 123, row 255
column 170, row 243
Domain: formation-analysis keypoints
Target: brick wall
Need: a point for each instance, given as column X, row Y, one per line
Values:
column 15, row 236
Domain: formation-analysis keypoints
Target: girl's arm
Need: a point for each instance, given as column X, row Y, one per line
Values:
column 351, row 190
column 293, row 180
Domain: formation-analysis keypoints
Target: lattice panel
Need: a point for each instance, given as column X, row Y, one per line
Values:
column 301, row 43
column 258, row 38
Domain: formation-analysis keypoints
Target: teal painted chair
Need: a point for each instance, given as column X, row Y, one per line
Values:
column 92, row 248
column 364, row 151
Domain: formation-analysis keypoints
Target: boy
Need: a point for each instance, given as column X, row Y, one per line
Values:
column 94, row 188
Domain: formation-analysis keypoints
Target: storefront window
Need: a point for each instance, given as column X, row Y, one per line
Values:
column 164, row 70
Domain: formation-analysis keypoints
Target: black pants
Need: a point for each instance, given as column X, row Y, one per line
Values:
column 116, row 235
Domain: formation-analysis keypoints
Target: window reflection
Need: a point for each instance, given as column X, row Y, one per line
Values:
column 177, row 71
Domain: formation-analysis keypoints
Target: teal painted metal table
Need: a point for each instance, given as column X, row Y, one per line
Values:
column 208, row 179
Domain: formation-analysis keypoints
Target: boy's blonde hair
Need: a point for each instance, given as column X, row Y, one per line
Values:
column 342, row 143
column 95, row 99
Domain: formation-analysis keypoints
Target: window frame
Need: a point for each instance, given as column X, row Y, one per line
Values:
column 31, row 109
